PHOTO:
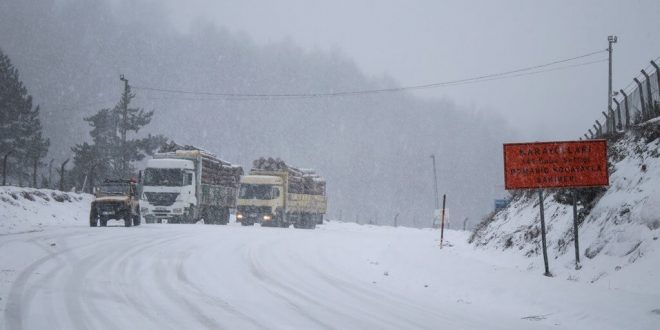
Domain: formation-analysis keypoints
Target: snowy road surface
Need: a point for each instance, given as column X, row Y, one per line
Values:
column 341, row 276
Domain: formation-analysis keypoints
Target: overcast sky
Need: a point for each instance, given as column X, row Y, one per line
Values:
column 417, row 42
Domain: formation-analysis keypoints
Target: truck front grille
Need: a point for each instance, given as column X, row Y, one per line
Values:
column 249, row 209
column 161, row 198
column 109, row 207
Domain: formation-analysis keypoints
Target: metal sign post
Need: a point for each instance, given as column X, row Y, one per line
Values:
column 575, row 231
column 442, row 225
column 545, row 249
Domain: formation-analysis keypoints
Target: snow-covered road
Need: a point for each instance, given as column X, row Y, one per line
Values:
column 341, row 276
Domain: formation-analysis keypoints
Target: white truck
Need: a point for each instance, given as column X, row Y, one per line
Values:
column 275, row 194
column 185, row 186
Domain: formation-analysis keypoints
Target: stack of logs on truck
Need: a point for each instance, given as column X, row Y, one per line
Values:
column 277, row 194
column 301, row 181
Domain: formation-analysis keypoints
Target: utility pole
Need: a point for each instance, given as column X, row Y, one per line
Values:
column 437, row 199
column 611, row 40
column 125, row 99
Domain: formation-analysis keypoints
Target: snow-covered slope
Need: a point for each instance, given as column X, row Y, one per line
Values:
column 618, row 232
column 29, row 209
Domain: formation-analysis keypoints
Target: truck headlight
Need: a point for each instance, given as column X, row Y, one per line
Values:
column 177, row 210
column 239, row 216
column 267, row 217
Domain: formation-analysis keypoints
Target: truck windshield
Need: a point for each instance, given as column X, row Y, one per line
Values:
column 256, row 191
column 113, row 189
column 171, row 177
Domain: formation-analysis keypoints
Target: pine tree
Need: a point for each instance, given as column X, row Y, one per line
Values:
column 20, row 127
column 112, row 153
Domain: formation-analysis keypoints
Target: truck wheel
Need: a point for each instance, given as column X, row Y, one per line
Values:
column 224, row 216
column 104, row 222
column 136, row 220
column 127, row 220
column 209, row 216
column 93, row 220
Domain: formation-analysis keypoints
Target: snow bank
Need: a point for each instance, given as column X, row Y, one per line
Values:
column 618, row 232
column 29, row 209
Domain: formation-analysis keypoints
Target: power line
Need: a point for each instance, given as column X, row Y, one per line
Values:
column 367, row 91
column 223, row 98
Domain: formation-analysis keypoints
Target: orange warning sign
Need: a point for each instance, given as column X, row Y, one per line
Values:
column 562, row 164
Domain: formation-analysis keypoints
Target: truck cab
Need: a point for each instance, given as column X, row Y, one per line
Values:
column 168, row 190
column 115, row 199
column 261, row 199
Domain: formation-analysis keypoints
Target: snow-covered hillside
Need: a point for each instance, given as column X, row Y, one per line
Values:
column 618, row 232
column 28, row 209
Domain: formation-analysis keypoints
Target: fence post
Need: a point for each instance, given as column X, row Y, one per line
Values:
column 649, row 94
column 599, row 128
column 595, row 131
column 625, row 101
column 4, row 167
column 641, row 98
column 62, row 172
column 586, row 137
column 618, row 113
column 591, row 133
column 657, row 74
column 607, row 122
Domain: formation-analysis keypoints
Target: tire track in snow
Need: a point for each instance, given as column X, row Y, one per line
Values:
column 363, row 296
column 181, row 276
column 290, row 292
column 108, row 266
column 170, row 291
column 21, row 294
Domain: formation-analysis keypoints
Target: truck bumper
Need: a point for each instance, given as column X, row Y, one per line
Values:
column 151, row 218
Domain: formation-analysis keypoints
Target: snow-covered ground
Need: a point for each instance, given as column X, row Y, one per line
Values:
column 346, row 276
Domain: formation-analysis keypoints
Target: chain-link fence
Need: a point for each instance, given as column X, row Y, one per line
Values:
column 633, row 105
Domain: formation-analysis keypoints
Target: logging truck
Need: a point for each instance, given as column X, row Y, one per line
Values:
column 185, row 186
column 277, row 195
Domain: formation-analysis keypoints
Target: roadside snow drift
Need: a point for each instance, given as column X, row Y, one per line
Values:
column 28, row 209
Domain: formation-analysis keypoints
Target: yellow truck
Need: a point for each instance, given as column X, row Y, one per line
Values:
column 280, row 195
